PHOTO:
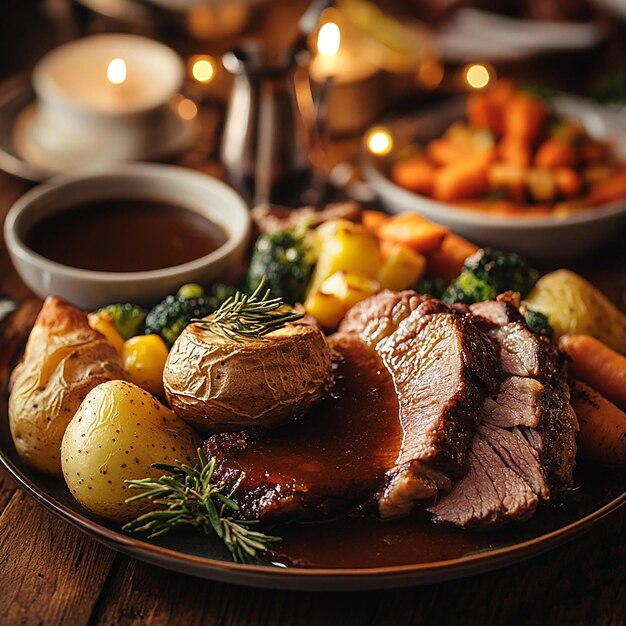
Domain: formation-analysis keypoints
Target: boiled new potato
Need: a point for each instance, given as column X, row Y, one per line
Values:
column 118, row 432
column 64, row 360
column 575, row 307
column 219, row 385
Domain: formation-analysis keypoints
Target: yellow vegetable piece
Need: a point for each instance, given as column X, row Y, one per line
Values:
column 144, row 358
column 575, row 307
column 103, row 323
column 344, row 247
column 338, row 293
column 401, row 269
column 117, row 433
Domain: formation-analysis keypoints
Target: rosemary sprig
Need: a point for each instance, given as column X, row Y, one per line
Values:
column 248, row 318
column 187, row 496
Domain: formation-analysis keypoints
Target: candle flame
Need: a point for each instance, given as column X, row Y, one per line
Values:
column 379, row 142
column 116, row 72
column 477, row 76
column 329, row 39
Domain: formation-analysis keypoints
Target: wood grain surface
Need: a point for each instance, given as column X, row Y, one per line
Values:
column 52, row 574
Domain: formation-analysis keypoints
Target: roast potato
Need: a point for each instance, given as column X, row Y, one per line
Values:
column 64, row 360
column 118, row 432
column 574, row 306
column 220, row 385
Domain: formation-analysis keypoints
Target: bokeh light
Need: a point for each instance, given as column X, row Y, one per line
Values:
column 379, row 142
column 202, row 68
column 477, row 76
column 116, row 72
column 329, row 39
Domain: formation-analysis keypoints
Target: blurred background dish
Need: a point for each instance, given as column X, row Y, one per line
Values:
column 539, row 236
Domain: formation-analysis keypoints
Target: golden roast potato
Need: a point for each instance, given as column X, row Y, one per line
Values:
column 220, row 385
column 118, row 432
column 64, row 360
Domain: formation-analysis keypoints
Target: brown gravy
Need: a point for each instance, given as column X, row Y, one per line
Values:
column 125, row 235
column 353, row 436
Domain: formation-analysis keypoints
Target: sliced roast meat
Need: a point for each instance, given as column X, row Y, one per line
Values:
column 517, row 403
column 498, row 312
column 490, row 494
column 377, row 317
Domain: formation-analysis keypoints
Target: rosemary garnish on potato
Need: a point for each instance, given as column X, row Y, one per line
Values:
column 248, row 317
column 187, row 496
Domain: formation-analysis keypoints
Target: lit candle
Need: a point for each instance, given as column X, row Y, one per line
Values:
column 104, row 93
column 354, row 96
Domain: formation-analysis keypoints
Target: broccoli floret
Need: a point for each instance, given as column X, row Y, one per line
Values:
column 434, row 287
column 127, row 318
column 488, row 273
column 468, row 288
column 286, row 260
column 539, row 323
column 170, row 316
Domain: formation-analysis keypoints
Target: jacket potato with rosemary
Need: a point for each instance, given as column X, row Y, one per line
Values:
column 218, row 384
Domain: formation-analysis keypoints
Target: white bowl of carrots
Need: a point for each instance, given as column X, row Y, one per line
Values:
column 545, row 178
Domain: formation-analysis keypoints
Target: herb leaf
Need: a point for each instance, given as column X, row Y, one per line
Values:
column 187, row 496
column 248, row 317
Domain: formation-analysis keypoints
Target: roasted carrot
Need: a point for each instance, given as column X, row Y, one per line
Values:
column 416, row 174
column 608, row 190
column 413, row 231
column 443, row 151
column 554, row 152
column 373, row 220
column 596, row 364
column 568, row 182
column 447, row 260
column 463, row 179
column 602, row 435
column 483, row 111
column 594, row 151
column 525, row 117
column 515, row 151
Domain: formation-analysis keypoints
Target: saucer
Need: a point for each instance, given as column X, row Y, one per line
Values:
column 22, row 156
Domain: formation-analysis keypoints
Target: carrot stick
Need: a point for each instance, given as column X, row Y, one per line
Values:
column 602, row 435
column 554, row 152
column 463, row 179
column 413, row 231
column 568, row 182
column 525, row 117
column 443, row 151
column 608, row 190
column 416, row 174
column 516, row 151
column 447, row 261
column 373, row 220
column 596, row 364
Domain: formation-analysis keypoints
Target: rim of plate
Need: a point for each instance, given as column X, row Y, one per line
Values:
column 272, row 575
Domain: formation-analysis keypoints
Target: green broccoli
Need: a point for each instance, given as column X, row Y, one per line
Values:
column 434, row 287
column 488, row 273
column 127, row 318
column 286, row 260
column 170, row 316
column 539, row 323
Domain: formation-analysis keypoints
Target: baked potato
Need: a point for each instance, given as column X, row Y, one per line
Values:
column 220, row 385
column 117, row 433
column 64, row 360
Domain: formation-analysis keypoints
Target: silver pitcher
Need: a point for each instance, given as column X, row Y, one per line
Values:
column 270, row 128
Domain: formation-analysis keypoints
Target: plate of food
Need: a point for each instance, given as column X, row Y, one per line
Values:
column 529, row 171
column 377, row 403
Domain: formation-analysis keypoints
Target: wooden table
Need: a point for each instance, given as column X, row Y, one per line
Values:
column 52, row 574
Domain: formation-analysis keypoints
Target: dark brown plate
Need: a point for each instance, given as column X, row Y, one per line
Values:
column 346, row 554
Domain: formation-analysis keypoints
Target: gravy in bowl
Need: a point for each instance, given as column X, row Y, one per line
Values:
column 125, row 235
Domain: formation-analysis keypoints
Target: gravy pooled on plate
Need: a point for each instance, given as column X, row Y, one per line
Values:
column 125, row 235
